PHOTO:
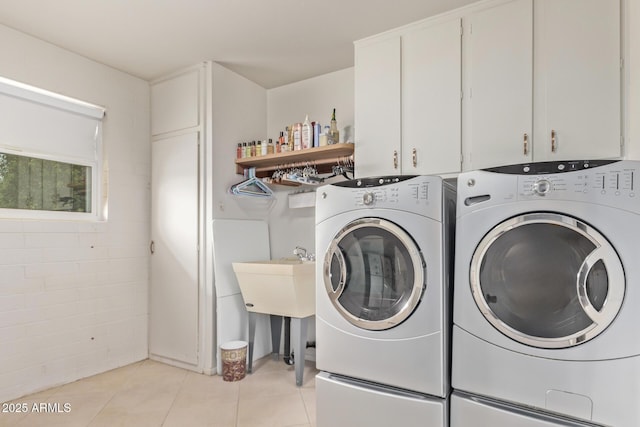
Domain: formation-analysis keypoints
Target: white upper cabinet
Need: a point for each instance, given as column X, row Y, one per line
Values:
column 175, row 103
column 542, row 82
column 498, row 105
column 577, row 79
column 431, row 88
column 377, row 107
column 407, row 101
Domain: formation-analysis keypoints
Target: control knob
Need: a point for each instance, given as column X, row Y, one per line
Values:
column 368, row 198
column 542, row 187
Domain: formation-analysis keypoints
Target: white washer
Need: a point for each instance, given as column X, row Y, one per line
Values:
column 547, row 288
column 382, row 287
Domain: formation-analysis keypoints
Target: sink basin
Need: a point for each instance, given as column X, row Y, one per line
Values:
column 284, row 287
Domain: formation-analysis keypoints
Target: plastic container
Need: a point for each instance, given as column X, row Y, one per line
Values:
column 234, row 360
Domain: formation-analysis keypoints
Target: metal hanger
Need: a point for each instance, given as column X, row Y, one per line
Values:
column 252, row 186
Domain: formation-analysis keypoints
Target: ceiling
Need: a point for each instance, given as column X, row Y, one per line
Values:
column 271, row 42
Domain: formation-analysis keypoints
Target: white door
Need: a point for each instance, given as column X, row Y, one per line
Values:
column 431, row 86
column 173, row 301
column 377, row 108
column 498, row 86
column 577, row 56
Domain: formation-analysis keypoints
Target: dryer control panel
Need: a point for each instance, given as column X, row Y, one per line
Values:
column 602, row 184
column 614, row 183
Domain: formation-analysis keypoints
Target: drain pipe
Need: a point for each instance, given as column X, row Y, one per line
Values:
column 288, row 356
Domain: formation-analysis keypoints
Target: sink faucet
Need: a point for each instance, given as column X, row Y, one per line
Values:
column 302, row 255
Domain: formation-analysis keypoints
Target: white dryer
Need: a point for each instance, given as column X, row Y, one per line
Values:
column 382, row 290
column 547, row 288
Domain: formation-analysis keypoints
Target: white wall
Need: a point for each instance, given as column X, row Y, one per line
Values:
column 289, row 104
column 239, row 114
column 73, row 295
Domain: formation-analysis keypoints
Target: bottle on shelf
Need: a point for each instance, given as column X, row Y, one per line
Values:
column 297, row 136
column 290, row 144
column 307, row 133
column 280, row 142
column 239, row 151
column 317, row 129
column 324, row 137
column 334, row 135
column 270, row 147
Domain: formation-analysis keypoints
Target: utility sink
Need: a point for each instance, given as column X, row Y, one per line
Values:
column 282, row 287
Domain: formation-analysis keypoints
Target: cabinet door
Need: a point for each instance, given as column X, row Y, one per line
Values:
column 175, row 103
column 377, row 107
column 577, row 56
column 497, row 107
column 173, row 293
column 431, row 87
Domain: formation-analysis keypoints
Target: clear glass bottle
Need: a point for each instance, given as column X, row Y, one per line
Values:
column 334, row 134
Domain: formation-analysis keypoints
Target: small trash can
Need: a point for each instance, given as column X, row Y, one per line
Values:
column 234, row 360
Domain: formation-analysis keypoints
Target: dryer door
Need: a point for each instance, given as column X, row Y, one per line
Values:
column 547, row 280
column 374, row 273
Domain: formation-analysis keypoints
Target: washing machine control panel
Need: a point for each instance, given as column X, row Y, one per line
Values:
column 617, row 180
column 422, row 195
column 393, row 195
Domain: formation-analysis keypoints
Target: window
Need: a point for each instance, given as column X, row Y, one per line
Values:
column 50, row 154
column 38, row 184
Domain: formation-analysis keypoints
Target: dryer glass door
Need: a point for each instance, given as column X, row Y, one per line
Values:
column 374, row 273
column 547, row 280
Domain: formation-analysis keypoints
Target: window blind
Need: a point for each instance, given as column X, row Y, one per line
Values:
column 40, row 122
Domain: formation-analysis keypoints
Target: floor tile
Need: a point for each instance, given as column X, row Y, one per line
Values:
column 153, row 394
column 272, row 411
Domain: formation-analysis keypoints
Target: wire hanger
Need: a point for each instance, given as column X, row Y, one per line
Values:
column 342, row 168
column 252, row 186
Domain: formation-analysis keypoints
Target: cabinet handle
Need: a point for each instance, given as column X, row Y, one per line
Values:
column 152, row 247
column 414, row 155
column 553, row 141
column 526, row 144
column 395, row 159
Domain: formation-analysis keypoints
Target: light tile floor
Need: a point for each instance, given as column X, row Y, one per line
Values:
column 150, row 393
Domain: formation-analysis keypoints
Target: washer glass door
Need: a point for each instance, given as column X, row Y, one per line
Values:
column 547, row 280
column 374, row 273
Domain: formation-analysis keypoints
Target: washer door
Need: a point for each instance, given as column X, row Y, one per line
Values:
column 547, row 280
column 374, row 273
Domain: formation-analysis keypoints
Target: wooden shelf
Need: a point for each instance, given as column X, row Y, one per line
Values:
column 322, row 157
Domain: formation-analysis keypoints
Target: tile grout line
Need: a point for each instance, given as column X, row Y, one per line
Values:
column 304, row 402
column 118, row 390
column 164, row 420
